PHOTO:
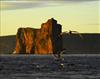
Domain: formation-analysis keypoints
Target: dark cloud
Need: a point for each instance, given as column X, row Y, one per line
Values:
column 23, row 4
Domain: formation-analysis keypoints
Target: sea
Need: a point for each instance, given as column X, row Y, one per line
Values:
column 71, row 66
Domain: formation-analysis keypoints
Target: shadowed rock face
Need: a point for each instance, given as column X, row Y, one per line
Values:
column 46, row 40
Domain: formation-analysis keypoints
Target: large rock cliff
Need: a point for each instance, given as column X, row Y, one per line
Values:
column 46, row 40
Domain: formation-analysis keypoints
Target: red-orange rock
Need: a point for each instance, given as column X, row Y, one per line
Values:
column 46, row 40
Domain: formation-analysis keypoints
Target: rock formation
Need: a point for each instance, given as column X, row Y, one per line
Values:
column 46, row 40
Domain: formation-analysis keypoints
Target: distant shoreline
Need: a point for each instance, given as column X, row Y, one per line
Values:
column 48, row 55
column 73, row 33
column 90, row 44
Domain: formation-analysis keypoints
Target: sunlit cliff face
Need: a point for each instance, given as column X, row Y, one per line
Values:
column 28, row 37
column 46, row 29
column 44, row 42
column 34, row 41
column 39, row 41
column 24, row 40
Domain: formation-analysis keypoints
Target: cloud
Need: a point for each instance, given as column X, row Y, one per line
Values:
column 12, row 5
column 23, row 4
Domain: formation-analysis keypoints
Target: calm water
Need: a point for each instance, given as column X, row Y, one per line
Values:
column 46, row 67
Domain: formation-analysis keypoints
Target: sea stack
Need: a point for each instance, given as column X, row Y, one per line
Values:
column 46, row 40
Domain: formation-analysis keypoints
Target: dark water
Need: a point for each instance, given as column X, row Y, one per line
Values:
column 46, row 67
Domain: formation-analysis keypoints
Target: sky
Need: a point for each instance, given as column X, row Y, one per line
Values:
column 76, row 15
